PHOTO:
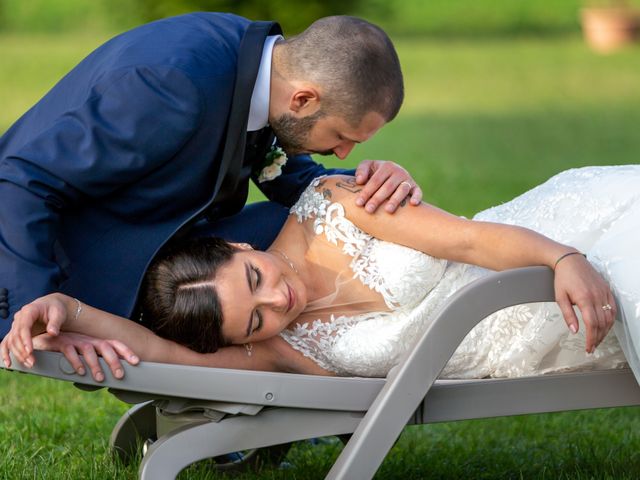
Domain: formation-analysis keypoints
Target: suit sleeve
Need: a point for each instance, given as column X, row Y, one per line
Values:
column 296, row 176
column 130, row 124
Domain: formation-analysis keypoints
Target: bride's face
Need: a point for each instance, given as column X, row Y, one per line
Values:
column 260, row 294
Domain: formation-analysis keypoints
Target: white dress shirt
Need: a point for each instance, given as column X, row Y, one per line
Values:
column 259, row 108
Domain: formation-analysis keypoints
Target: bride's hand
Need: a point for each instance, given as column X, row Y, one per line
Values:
column 72, row 345
column 578, row 283
column 46, row 313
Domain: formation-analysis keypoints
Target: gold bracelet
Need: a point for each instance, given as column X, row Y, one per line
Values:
column 78, row 309
column 565, row 256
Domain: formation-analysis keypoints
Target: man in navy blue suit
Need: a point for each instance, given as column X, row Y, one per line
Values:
column 155, row 135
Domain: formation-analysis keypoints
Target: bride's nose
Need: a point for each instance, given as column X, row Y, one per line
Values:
column 276, row 299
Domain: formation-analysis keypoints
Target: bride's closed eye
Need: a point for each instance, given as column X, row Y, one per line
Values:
column 257, row 277
column 257, row 280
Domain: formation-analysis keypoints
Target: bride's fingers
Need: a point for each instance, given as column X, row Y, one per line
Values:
column 566, row 307
column 592, row 324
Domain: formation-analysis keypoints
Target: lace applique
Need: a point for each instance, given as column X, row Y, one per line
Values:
column 315, row 339
column 368, row 253
column 595, row 209
column 376, row 264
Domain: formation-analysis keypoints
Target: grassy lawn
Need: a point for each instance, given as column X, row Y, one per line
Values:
column 482, row 122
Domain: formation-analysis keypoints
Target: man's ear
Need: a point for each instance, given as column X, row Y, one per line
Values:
column 241, row 246
column 305, row 100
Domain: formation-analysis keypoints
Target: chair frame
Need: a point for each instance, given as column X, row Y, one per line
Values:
column 198, row 412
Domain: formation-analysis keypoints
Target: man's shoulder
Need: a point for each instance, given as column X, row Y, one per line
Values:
column 202, row 44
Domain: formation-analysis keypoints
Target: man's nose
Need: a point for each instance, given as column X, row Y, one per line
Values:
column 343, row 150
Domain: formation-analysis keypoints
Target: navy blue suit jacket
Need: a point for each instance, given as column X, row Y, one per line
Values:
column 142, row 137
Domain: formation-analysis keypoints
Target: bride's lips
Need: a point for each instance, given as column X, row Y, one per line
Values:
column 292, row 298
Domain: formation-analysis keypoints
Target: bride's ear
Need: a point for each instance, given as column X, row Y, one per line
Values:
column 241, row 246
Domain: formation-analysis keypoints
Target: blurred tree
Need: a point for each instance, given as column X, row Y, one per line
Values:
column 293, row 15
column 433, row 17
column 67, row 15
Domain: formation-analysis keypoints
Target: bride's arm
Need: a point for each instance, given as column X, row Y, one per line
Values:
column 443, row 235
column 89, row 331
column 490, row 245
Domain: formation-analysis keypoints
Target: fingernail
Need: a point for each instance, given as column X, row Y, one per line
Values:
column 370, row 208
column 81, row 371
column 573, row 328
column 359, row 201
column 119, row 373
column 29, row 363
column 134, row 359
column 359, row 178
column 99, row 377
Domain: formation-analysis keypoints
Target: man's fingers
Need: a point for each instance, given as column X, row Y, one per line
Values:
column 399, row 197
column 363, row 171
column 125, row 352
column 106, row 349
column 4, row 352
column 91, row 359
column 384, row 192
column 70, row 353
column 416, row 195
column 370, row 189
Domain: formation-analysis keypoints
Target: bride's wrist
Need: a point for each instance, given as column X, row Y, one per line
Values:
column 565, row 255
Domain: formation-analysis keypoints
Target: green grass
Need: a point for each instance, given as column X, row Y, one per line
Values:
column 482, row 122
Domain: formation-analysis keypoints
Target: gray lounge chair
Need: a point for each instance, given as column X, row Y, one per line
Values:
column 193, row 413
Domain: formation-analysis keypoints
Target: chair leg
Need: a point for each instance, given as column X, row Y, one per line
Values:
column 133, row 428
column 173, row 452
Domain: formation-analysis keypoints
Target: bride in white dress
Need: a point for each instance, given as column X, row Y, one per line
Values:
column 328, row 298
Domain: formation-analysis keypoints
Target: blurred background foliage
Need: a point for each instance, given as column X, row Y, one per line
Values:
column 417, row 17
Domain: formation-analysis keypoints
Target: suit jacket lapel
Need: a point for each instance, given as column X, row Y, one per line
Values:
column 249, row 55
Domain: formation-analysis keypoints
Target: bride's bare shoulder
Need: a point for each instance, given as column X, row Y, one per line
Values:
column 337, row 188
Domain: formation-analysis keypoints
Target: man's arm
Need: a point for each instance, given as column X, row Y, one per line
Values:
column 134, row 120
column 296, row 176
column 381, row 183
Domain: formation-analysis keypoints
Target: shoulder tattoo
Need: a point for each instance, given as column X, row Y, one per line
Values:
column 349, row 185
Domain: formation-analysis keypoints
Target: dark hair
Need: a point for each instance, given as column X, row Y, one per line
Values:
column 353, row 60
column 179, row 301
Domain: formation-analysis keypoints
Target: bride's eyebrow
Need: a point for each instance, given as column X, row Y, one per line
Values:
column 247, row 271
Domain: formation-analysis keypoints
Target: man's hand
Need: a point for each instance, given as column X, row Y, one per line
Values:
column 44, row 314
column 72, row 345
column 385, row 181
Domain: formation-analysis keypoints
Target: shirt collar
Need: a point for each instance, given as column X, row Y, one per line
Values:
column 259, row 108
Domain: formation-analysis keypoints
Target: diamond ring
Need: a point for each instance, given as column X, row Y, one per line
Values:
column 606, row 306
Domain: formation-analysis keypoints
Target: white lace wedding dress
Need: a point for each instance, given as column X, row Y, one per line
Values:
column 595, row 209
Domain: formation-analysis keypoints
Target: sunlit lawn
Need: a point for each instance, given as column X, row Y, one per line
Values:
column 482, row 122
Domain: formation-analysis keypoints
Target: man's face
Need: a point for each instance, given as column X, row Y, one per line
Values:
column 323, row 134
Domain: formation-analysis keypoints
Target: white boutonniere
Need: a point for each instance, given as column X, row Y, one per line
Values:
column 274, row 161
